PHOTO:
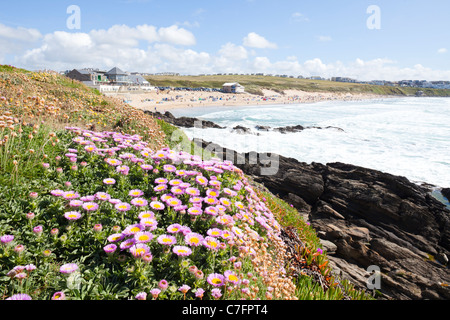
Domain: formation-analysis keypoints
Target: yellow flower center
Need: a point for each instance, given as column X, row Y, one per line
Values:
column 232, row 277
column 144, row 237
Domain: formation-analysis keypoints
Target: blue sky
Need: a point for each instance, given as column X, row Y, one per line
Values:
column 326, row 38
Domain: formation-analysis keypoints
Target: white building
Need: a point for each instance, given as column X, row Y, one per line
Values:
column 233, row 87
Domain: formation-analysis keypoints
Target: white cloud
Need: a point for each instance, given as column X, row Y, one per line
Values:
column 14, row 40
column 376, row 69
column 233, row 52
column 442, row 50
column 254, row 40
column 176, row 35
column 299, row 17
column 19, row 34
column 148, row 48
column 324, row 38
column 118, row 45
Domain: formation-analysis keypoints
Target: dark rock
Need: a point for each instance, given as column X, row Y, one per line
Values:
column 185, row 122
column 446, row 193
column 372, row 217
column 242, row 130
column 262, row 128
column 289, row 129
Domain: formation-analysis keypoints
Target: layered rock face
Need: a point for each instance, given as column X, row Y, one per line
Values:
column 367, row 220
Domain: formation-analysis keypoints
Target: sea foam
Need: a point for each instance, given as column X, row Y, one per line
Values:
column 409, row 137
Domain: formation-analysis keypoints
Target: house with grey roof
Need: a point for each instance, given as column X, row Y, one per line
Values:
column 118, row 76
column 138, row 80
column 87, row 75
column 233, row 87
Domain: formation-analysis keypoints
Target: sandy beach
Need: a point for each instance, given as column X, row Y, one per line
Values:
column 168, row 100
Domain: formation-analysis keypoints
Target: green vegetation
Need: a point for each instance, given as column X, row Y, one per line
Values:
column 254, row 84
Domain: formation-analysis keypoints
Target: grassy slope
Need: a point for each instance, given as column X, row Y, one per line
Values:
column 254, row 84
column 51, row 102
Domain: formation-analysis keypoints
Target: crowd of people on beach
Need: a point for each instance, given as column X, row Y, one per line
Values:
column 174, row 99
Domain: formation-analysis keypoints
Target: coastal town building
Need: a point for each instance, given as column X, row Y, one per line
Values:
column 113, row 80
column 233, row 87
column 117, row 76
column 92, row 76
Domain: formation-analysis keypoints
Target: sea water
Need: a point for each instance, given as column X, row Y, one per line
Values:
column 409, row 137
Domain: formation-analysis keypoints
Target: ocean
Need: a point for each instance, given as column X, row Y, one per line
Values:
column 409, row 137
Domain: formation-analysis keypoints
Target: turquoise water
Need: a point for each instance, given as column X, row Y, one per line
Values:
column 405, row 136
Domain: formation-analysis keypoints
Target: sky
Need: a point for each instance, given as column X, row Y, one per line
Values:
column 361, row 39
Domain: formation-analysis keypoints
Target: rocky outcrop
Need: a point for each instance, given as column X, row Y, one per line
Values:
column 367, row 218
column 446, row 193
column 290, row 129
column 185, row 122
column 242, row 130
column 188, row 122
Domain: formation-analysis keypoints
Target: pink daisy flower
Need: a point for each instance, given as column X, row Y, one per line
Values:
column 149, row 223
column 76, row 203
column 146, row 167
column 57, row 193
column 169, row 168
column 115, row 237
column 110, row 248
column 182, row 251
column 225, row 201
column 192, row 191
column 216, row 279
column 212, row 193
column 143, row 237
column 231, row 277
column 176, row 190
column 132, row 229
column 123, row 207
column 210, row 200
column 214, row 232
column 201, row 180
column 139, row 250
column 68, row 268
column 166, row 240
column 174, row 228
column 161, row 181
column 135, row 193
column 195, row 211
column 102, row 196
column 212, row 211
column 173, row 202
column 216, row 293
column 113, row 162
column 90, row 206
column 139, row 202
column 211, row 243
column 109, row 181
column 156, row 205
column 146, row 214
column 72, row 215
column 160, row 187
column 69, row 195
column 193, row 239
column 127, row 244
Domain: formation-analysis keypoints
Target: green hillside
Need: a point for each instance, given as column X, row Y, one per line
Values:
column 254, row 84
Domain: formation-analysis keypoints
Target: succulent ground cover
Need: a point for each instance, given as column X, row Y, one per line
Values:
column 95, row 205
